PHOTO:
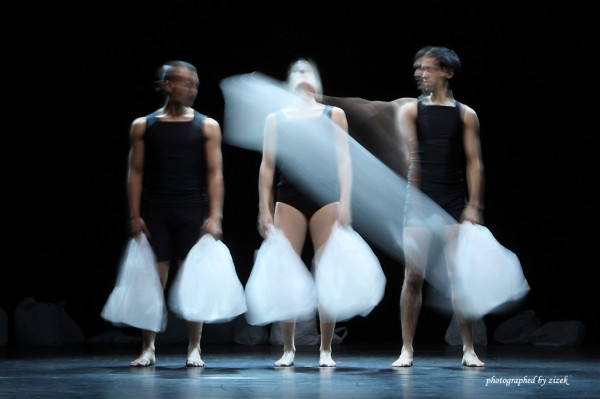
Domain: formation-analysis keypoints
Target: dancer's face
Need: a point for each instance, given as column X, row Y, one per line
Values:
column 182, row 85
column 303, row 77
column 418, row 73
column 433, row 76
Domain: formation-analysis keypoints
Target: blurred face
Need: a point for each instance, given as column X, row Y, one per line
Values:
column 418, row 73
column 303, row 77
column 433, row 76
column 182, row 85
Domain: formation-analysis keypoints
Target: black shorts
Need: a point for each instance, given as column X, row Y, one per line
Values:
column 174, row 230
column 451, row 199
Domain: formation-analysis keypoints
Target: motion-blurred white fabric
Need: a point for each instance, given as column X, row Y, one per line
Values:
column 206, row 287
column 349, row 278
column 485, row 277
column 280, row 286
column 137, row 299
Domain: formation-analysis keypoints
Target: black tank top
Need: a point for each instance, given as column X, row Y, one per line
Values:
column 440, row 146
column 174, row 162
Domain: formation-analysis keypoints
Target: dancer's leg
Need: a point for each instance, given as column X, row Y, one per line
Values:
column 320, row 226
column 293, row 225
column 417, row 242
column 195, row 335
column 148, row 355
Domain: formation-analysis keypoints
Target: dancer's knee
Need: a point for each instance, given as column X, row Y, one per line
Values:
column 413, row 279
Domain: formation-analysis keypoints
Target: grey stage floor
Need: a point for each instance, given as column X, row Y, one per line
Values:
column 247, row 372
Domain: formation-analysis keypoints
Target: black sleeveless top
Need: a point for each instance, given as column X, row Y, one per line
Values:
column 440, row 146
column 174, row 162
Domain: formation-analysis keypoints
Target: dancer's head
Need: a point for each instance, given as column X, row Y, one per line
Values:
column 418, row 71
column 446, row 60
column 303, row 75
column 178, row 81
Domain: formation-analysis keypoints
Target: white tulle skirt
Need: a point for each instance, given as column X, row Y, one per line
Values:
column 280, row 286
column 349, row 278
column 485, row 277
column 137, row 299
column 206, row 287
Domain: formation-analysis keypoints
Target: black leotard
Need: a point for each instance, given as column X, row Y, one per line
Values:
column 288, row 189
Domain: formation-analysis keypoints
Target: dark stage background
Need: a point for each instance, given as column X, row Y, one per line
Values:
column 523, row 72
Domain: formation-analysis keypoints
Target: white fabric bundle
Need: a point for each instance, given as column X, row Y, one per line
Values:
column 206, row 287
column 280, row 286
column 349, row 277
column 485, row 277
column 137, row 299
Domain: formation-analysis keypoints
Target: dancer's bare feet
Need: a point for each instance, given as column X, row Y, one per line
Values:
column 193, row 357
column 325, row 359
column 147, row 358
column 470, row 359
column 405, row 359
column 287, row 359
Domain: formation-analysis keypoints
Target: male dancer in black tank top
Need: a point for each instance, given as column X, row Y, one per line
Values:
column 443, row 140
column 175, row 184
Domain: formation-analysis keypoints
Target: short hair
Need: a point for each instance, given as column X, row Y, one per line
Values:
column 447, row 59
column 422, row 51
column 163, row 71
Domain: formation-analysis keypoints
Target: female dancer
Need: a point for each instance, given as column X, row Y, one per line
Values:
column 294, row 209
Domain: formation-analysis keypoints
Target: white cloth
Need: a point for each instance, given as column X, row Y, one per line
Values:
column 486, row 276
column 206, row 287
column 137, row 299
column 348, row 276
column 280, row 286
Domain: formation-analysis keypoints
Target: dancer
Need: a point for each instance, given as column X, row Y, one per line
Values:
column 291, row 209
column 443, row 139
column 175, row 184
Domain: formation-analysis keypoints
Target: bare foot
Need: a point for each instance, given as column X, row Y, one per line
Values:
column 286, row 360
column 325, row 359
column 147, row 358
column 193, row 357
column 405, row 359
column 470, row 359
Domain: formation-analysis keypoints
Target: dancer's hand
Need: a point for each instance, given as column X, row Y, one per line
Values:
column 213, row 227
column 472, row 214
column 265, row 222
column 138, row 226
